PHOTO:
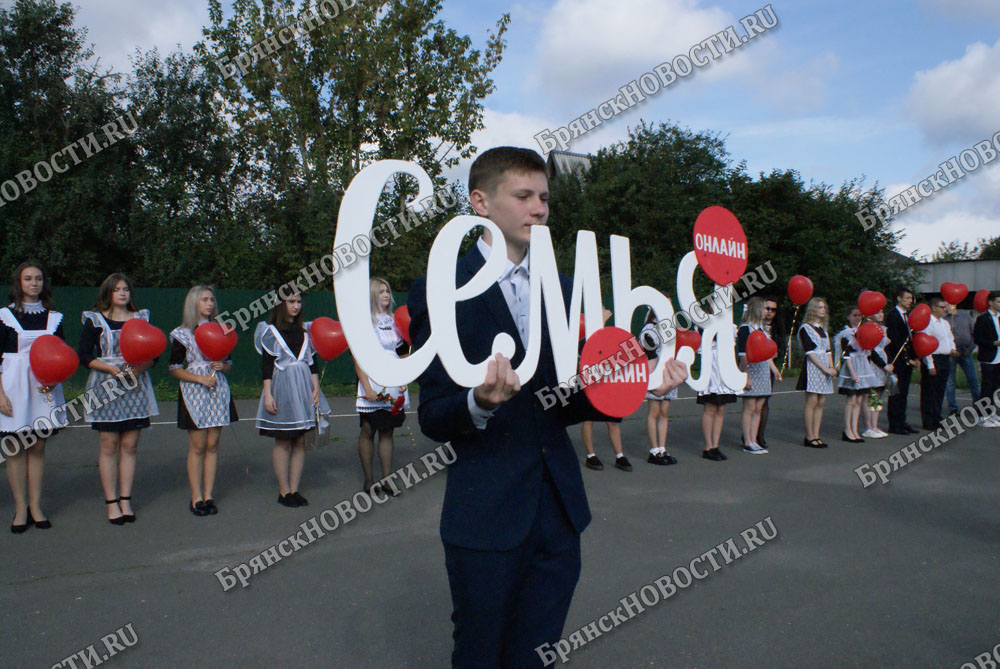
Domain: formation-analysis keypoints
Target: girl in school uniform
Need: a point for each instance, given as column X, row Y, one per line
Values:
column 377, row 415
column 759, row 375
column 856, row 375
column 291, row 402
column 816, row 377
column 871, row 406
column 119, row 421
column 714, row 400
column 659, row 405
column 22, row 398
column 205, row 405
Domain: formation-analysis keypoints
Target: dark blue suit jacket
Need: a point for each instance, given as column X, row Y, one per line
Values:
column 984, row 334
column 494, row 485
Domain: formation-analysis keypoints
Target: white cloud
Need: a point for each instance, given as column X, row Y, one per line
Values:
column 958, row 99
column 116, row 28
column 587, row 49
column 964, row 211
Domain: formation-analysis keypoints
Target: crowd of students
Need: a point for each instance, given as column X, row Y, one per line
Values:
column 292, row 404
column 833, row 363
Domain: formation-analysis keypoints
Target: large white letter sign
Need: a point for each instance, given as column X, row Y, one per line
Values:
column 719, row 325
column 350, row 287
column 628, row 299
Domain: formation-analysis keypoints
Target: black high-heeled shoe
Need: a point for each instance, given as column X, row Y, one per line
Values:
column 19, row 529
column 40, row 524
column 129, row 517
column 120, row 520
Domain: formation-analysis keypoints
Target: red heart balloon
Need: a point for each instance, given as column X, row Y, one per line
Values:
column 920, row 317
column 328, row 337
column 760, row 347
column 214, row 340
column 800, row 289
column 869, row 335
column 954, row 293
column 691, row 338
column 871, row 302
column 402, row 317
column 51, row 360
column 141, row 342
column 980, row 302
column 924, row 344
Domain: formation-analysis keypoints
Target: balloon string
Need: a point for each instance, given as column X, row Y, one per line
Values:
column 788, row 343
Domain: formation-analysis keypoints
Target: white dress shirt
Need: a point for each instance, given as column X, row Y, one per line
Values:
column 940, row 329
column 516, row 287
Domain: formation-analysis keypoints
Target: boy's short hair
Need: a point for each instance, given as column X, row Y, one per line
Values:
column 490, row 166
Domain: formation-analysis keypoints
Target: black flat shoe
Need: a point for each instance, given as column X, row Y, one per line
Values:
column 299, row 498
column 211, row 507
column 129, row 517
column 40, row 524
column 198, row 509
column 813, row 443
column 120, row 520
column 19, row 529
column 288, row 500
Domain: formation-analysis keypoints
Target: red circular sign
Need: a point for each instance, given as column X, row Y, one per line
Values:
column 614, row 372
column 720, row 245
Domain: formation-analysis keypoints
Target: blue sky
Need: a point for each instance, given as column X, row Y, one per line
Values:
column 885, row 89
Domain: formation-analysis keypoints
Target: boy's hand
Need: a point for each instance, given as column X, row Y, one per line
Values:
column 500, row 384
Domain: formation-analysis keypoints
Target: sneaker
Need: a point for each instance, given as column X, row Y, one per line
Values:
column 756, row 449
column 714, row 454
column 664, row 459
column 623, row 464
column 869, row 434
column 593, row 462
column 990, row 422
column 878, row 434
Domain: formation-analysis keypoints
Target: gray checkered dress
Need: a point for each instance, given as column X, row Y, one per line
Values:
column 816, row 380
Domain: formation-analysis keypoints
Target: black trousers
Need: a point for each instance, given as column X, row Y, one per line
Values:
column 897, row 402
column 932, row 387
column 988, row 387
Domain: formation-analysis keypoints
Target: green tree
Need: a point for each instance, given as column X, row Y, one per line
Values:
column 954, row 250
column 381, row 80
column 989, row 249
column 49, row 98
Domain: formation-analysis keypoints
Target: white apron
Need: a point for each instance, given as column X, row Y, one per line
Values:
column 20, row 384
column 208, row 407
column 139, row 402
column 390, row 339
column 291, row 384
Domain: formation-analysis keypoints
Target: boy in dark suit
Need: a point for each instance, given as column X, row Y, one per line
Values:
column 898, row 331
column 514, row 504
column 986, row 334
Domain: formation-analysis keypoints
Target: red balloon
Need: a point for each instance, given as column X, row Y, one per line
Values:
column 954, row 293
column 920, row 317
column 403, row 323
column 869, row 335
column 328, row 337
column 871, row 302
column 980, row 302
column 800, row 289
column 141, row 342
column 689, row 338
column 51, row 360
column 760, row 347
column 924, row 344
column 214, row 340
